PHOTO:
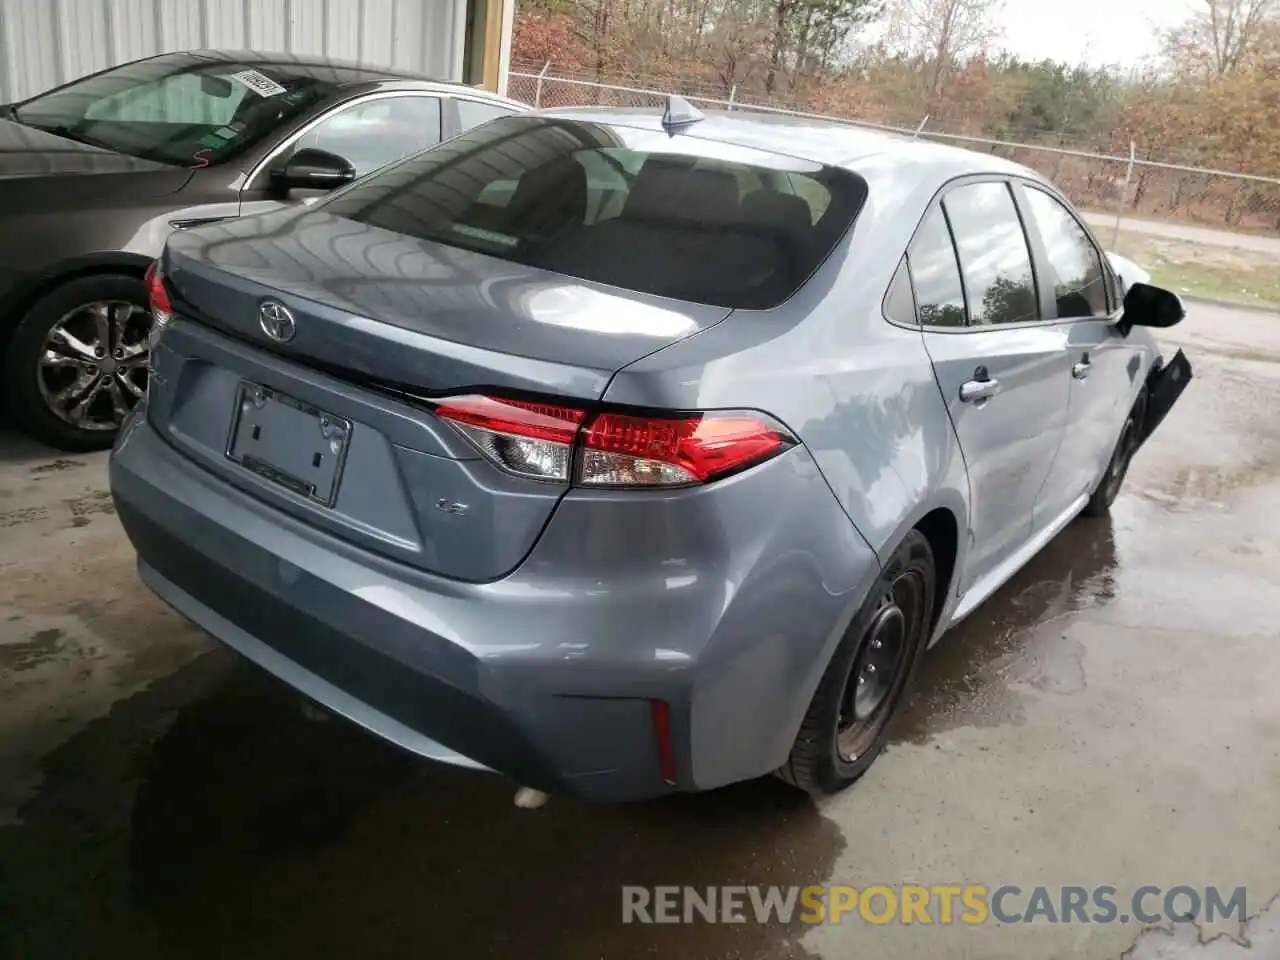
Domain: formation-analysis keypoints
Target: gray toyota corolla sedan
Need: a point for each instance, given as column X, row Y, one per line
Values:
column 95, row 175
column 625, row 453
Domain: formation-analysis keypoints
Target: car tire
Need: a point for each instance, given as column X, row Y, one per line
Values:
column 35, row 391
column 1109, row 486
column 847, row 723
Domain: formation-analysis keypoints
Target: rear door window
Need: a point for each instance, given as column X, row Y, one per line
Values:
column 377, row 132
column 1075, row 266
column 994, row 256
column 684, row 218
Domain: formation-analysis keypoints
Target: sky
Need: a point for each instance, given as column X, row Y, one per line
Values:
column 1097, row 32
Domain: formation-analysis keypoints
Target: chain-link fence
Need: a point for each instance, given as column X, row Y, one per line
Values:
column 1119, row 187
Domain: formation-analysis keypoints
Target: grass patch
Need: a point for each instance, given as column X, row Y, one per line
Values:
column 1199, row 270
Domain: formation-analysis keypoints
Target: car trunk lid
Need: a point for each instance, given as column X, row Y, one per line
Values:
column 382, row 306
column 331, row 420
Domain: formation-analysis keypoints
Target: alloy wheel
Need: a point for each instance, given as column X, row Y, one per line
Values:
column 92, row 369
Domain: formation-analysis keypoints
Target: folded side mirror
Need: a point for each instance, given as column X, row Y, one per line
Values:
column 1149, row 306
column 312, row 169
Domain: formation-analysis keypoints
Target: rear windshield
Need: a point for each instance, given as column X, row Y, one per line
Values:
column 680, row 217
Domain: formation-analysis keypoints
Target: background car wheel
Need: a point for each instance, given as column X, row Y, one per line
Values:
column 1099, row 504
column 847, row 723
column 76, row 364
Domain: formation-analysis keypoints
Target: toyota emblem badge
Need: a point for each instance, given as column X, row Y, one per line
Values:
column 276, row 321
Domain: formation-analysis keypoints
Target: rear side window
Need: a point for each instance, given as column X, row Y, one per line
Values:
column 935, row 274
column 678, row 217
column 994, row 256
column 899, row 303
column 1075, row 267
column 472, row 113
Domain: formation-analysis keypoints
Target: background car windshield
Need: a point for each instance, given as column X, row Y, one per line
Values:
column 183, row 110
column 679, row 217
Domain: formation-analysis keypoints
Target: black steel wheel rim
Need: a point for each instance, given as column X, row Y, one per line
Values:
column 879, row 671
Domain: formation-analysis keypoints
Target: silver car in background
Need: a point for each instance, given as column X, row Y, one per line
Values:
column 624, row 453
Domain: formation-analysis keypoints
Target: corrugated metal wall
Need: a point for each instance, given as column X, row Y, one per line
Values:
column 47, row 42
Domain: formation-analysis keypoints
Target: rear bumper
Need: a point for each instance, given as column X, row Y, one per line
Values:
column 548, row 675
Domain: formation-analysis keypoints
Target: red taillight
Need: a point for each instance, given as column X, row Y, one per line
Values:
column 538, row 421
column 612, row 449
column 160, row 301
column 644, row 451
column 157, row 292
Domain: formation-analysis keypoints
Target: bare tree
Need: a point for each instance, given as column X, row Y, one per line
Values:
column 943, row 32
column 592, row 27
column 783, row 12
column 738, row 40
column 1221, row 36
column 806, row 32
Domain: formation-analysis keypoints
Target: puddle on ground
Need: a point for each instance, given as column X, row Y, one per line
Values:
column 1020, row 638
column 1185, row 549
column 39, row 647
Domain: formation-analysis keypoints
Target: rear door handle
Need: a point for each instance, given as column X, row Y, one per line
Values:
column 975, row 391
column 1081, row 370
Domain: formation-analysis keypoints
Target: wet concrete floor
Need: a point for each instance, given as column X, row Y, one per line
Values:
column 1111, row 717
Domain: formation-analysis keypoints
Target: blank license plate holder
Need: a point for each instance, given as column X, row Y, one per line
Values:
column 290, row 443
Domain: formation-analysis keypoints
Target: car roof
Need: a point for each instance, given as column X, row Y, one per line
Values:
column 343, row 73
column 818, row 140
column 300, row 64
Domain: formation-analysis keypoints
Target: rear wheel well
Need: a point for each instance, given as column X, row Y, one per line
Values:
column 12, row 312
column 940, row 529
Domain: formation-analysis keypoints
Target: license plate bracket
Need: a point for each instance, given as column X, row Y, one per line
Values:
column 288, row 442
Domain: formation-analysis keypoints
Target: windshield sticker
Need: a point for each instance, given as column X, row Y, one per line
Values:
column 259, row 83
column 226, row 133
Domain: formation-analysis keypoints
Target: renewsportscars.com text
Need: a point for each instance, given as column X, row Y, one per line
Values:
column 935, row 904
